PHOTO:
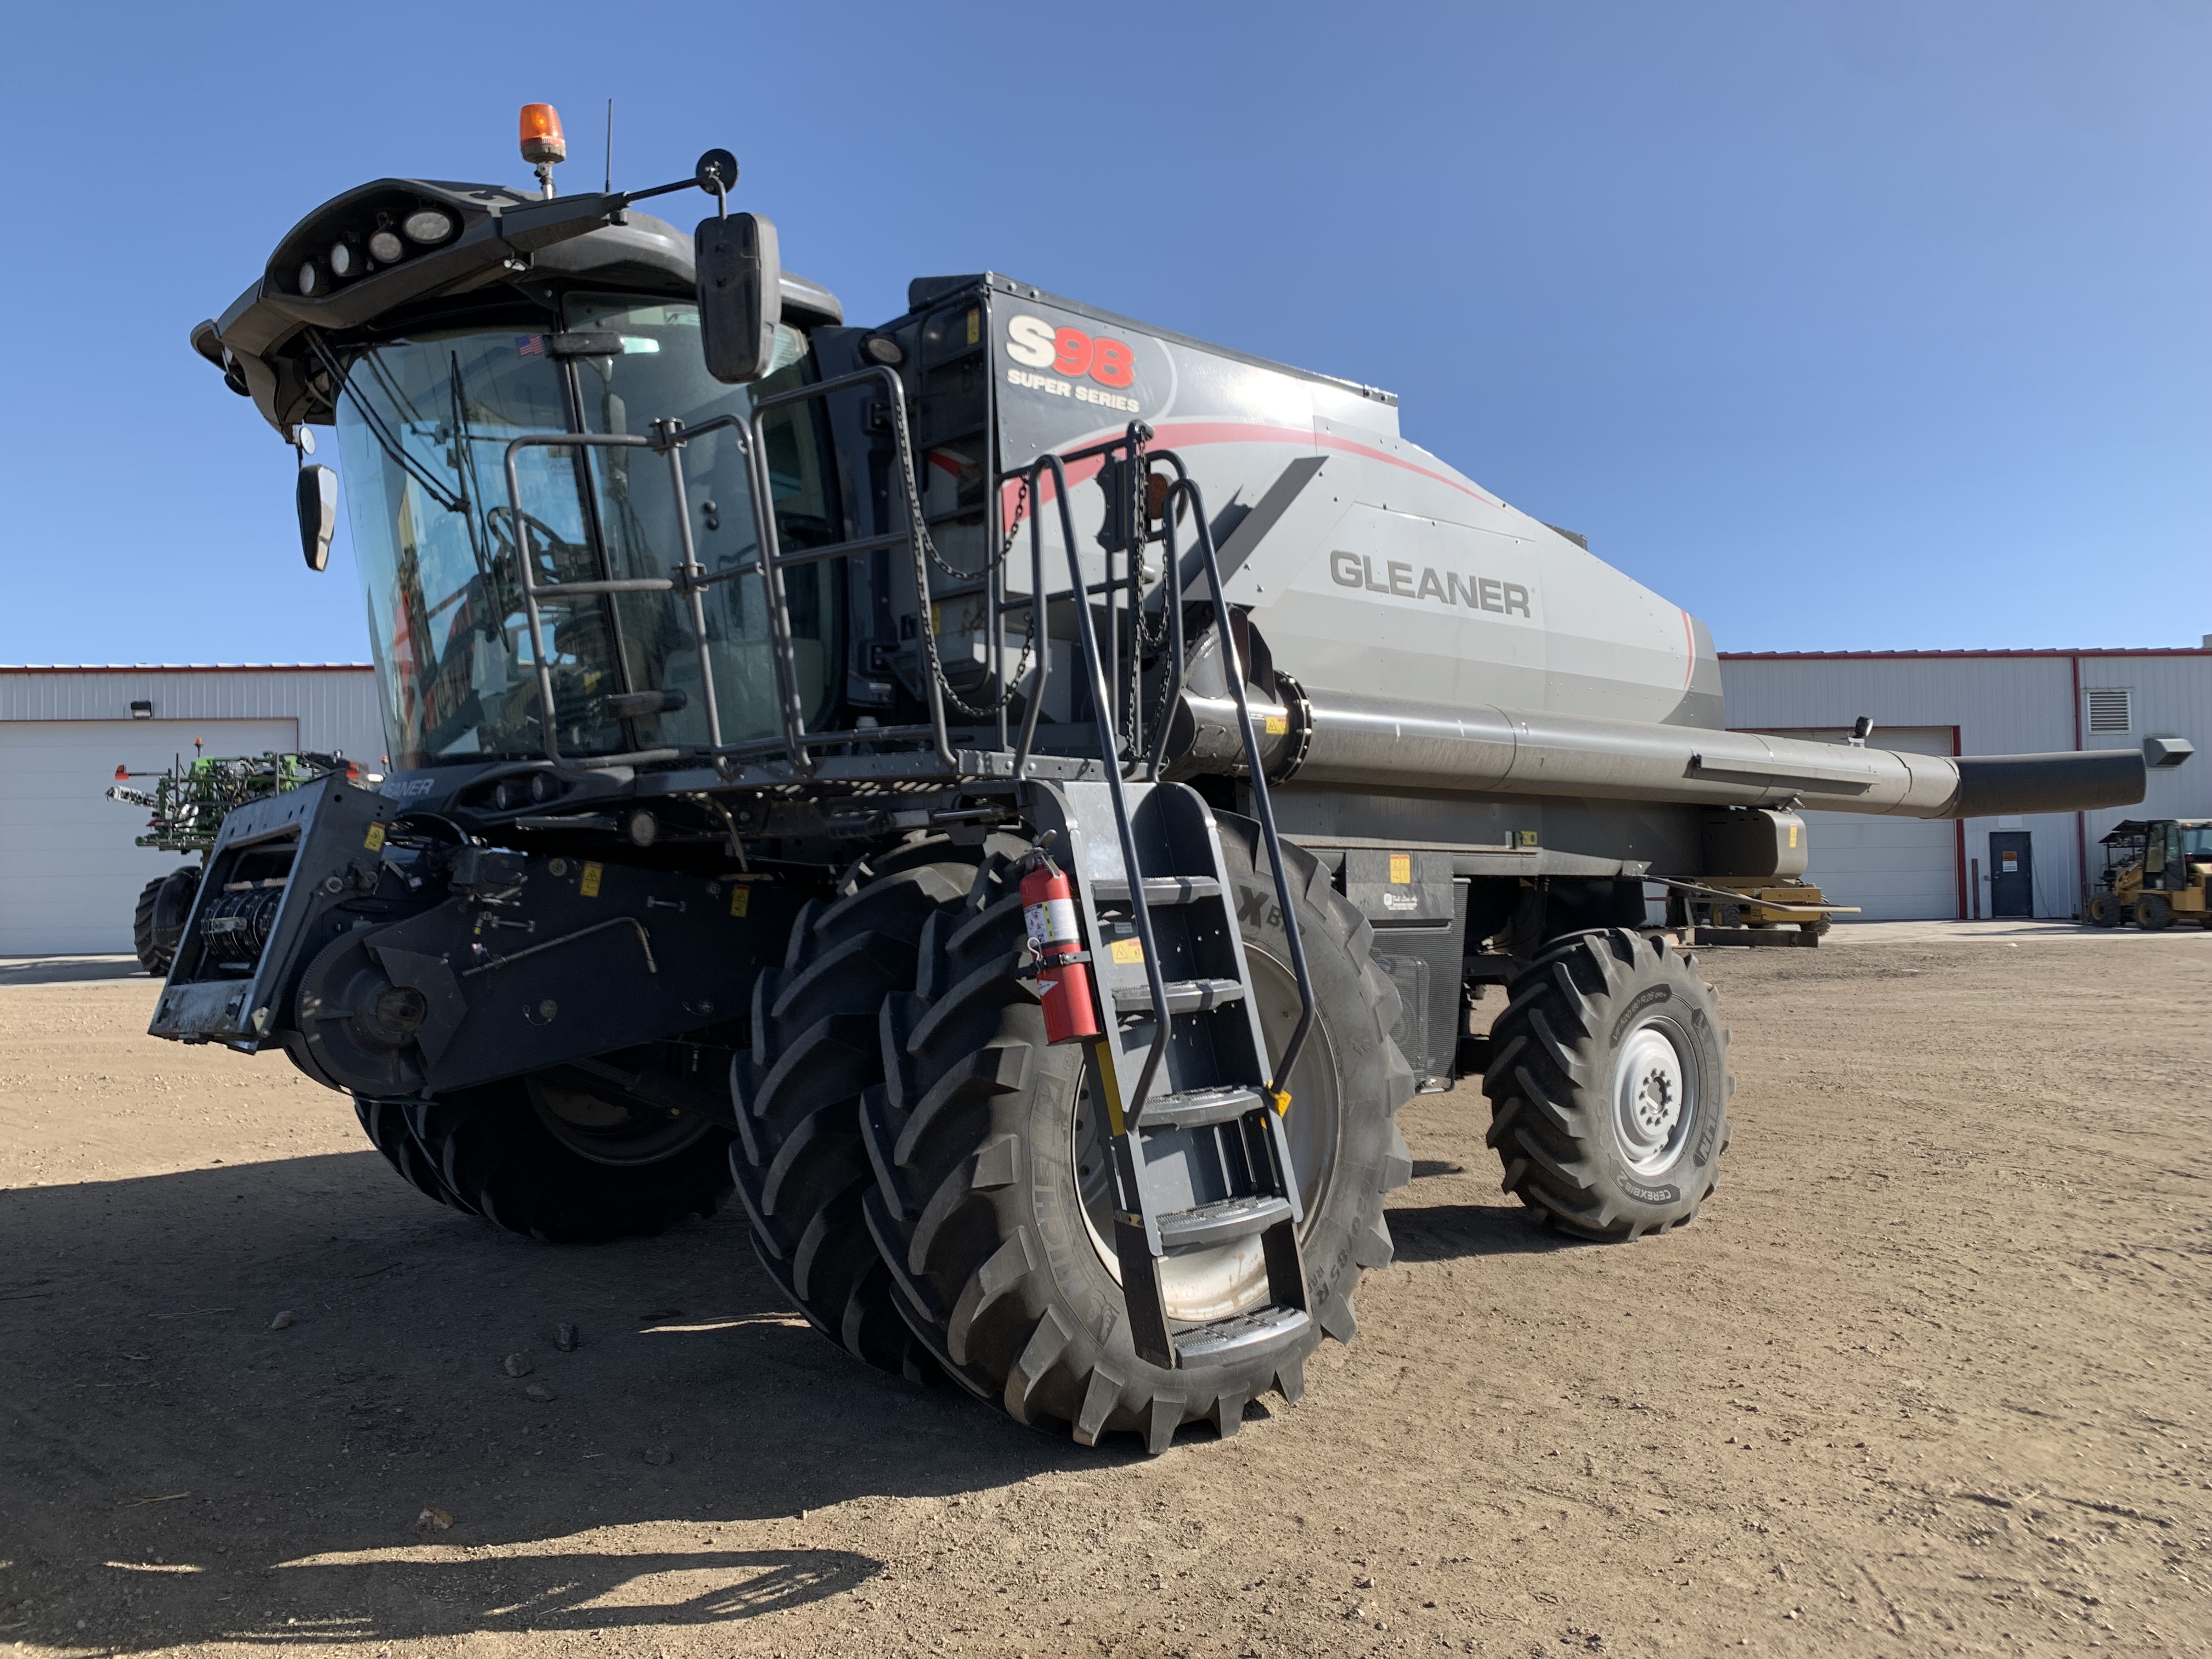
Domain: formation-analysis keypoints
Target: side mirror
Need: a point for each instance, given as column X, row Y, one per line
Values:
column 740, row 280
column 317, row 499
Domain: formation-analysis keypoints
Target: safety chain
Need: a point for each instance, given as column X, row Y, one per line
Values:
column 922, row 538
column 1146, row 639
column 929, row 544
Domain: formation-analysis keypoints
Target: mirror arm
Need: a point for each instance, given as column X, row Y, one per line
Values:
column 626, row 197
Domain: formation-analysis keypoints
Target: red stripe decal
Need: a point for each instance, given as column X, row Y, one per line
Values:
column 1190, row 435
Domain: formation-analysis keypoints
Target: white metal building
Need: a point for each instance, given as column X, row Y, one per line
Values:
column 69, row 873
column 1980, row 702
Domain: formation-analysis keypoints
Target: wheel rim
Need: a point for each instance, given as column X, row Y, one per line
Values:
column 1655, row 1095
column 609, row 1130
column 1201, row 1285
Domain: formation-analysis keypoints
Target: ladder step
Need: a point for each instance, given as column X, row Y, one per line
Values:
column 1236, row 1337
column 1158, row 890
column 1185, row 996
column 1224, row 1221
column 1198, row 1109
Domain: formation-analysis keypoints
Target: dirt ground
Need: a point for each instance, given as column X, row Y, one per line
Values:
column 1930, row 1377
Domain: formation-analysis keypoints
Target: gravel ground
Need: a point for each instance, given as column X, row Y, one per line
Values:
column 1928, row 1378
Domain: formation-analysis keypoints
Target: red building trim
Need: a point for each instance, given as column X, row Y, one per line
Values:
column 2081, row 819
column 1959, row 834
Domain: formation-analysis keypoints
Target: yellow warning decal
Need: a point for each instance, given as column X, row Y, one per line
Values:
column 1793, row 835
column 1401, row 869
column 975, row 326
column 1126, row 949
column 375, row 841
column 589, row 887
column 741, row 898
column 1278, row 725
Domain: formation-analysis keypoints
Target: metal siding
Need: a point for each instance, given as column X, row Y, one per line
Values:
column 2173, row 698
column 335, row 706
column 70, row 875
column 2002, row 705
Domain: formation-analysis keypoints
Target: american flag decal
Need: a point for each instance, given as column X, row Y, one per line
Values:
column 529, row 345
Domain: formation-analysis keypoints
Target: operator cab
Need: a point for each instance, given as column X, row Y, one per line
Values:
column 2161, row 850
column 432, row 325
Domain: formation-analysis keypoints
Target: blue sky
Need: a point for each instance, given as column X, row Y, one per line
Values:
column 1854, row 325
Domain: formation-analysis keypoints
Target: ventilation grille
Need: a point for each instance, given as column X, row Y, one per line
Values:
column 2111, row 711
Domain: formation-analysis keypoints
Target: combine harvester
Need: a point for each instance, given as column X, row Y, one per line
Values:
column 1023, row 796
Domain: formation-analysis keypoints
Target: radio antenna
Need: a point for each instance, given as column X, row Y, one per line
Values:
column 610, row 146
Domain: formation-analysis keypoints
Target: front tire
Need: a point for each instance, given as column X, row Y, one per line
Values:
column 2103, row 910
column 988, row 1163
column 799, row 1163
column 1608, row 1085
column 157, row 924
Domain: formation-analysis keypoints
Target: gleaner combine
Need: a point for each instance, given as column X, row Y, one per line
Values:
column 1021, row 795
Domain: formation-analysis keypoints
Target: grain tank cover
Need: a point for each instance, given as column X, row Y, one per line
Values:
column 1367, row 565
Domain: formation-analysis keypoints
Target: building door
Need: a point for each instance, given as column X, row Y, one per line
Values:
column 2011, row 874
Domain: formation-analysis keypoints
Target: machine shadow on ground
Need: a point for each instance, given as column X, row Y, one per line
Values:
column 174, row 1470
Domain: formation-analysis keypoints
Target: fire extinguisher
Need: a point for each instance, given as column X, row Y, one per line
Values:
column 1063, row 975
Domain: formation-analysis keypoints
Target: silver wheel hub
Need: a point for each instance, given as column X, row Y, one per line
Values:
column 1654, row 1096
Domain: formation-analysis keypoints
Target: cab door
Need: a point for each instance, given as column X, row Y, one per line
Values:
column 2162, row 863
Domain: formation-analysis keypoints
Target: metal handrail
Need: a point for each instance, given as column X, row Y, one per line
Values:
column 691, row 579
column 1110, row 750
column 772, row 562
column 1262, row 807
column 663, row 438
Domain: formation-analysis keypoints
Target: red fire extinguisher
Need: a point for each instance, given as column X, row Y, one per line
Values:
column 1071, row 1013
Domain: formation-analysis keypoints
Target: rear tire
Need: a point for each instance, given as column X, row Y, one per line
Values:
column 798, row 1162
column 1608, row 1085
column 537, row 1158
column 158, row 923
column 2152, row 912
column 2103, row 910
column 980, row 1203
column 384, row 1123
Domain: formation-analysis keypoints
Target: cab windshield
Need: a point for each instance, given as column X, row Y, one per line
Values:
column 423, row 429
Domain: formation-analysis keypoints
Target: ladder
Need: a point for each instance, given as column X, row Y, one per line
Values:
column 1201, row 1159
column 1202, row 1162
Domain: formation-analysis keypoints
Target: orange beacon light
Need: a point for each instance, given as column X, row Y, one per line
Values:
column 542, row 143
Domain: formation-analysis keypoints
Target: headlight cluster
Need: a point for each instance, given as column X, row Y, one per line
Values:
column 352, row 255
column 518, row 790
